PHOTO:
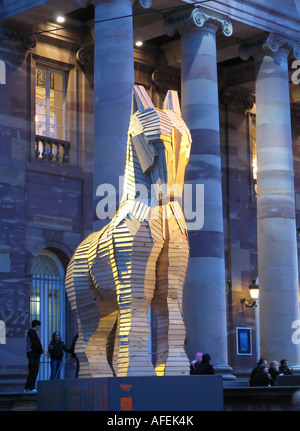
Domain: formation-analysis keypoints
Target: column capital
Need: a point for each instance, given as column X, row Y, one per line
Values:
column 196, row 18
column 272, row 44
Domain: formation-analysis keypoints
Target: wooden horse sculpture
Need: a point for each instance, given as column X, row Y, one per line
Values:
column 139, row 259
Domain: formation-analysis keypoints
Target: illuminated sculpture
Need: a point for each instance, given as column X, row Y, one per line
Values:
column 139, row 258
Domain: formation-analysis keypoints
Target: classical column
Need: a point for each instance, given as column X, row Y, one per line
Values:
column 204, row 293
column 113, row 82
column 276, row 226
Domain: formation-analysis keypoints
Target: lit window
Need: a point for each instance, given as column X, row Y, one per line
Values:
column 50, row 104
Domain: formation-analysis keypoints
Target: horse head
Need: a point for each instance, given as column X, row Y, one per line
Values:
column 161, row 141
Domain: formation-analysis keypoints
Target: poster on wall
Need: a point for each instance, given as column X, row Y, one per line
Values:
column 243, row 341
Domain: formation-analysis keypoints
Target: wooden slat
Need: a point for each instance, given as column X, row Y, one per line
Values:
column 139, row 257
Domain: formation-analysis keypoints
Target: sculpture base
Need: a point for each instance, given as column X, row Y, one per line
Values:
column 149, row 393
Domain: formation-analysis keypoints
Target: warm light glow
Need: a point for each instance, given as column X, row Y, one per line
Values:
column 160, row 369
column 254, row 293
column 139, row 43
column 60, row 19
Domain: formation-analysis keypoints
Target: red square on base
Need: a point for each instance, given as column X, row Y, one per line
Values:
column 126, row 403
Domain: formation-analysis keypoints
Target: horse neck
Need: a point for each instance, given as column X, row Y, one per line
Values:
column 136, row 182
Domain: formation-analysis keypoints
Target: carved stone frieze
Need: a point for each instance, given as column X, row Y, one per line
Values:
column 82, row 56
column 228, row 96
column 29, row 42
column 146, row 4
column 166, row 77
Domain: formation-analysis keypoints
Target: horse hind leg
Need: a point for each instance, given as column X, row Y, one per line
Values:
column 81, row 301
column 101, row 345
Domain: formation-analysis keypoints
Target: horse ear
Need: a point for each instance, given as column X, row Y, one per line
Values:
column 140, row 99
column 171, row 102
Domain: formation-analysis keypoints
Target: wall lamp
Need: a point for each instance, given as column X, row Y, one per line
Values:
column 254, row 292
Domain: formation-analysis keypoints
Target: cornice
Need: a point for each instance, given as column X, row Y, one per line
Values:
column 264, row 15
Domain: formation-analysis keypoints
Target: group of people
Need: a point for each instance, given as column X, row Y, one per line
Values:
column 201, row 365
column 266, row 375
column 34, row 350
column 261, row 375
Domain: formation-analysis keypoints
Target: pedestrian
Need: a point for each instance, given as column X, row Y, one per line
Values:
column 204, row 366
column 195, row 363
column 73, row 355
column 261, row 361
column 262, row 376
column 274, row 372
column 284, row 368
column 56, row 350
column 34, row 350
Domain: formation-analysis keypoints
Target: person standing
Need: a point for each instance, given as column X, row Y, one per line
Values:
column 284, row 368
column 195, row 362
column 262, row 376
column 56, row 350
column 274, row 372
column 34, row 351
column 262, row 361
column 73, row 355
column 204, row 366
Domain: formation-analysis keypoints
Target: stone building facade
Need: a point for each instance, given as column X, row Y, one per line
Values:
column 237, row 71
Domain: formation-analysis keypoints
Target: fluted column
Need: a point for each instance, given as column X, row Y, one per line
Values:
column 204, row 293
column 113, row 81
column 276, row 226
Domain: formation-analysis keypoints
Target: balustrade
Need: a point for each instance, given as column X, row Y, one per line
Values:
column 52, row 149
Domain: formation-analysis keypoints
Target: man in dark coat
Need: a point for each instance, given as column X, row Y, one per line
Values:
column 204, row 366
column 284, row 368
column 262, row 361
column 262, row 377
column 34, row 351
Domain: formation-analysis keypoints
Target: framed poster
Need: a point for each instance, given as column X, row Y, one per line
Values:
column 244, row 341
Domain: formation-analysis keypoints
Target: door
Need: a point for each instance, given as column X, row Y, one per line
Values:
column 48, row 303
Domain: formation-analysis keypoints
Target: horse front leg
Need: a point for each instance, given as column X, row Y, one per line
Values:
column 178, row 256
column 177, row 362
column 135, row 262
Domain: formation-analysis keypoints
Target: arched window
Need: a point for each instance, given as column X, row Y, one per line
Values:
column 47, row 301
